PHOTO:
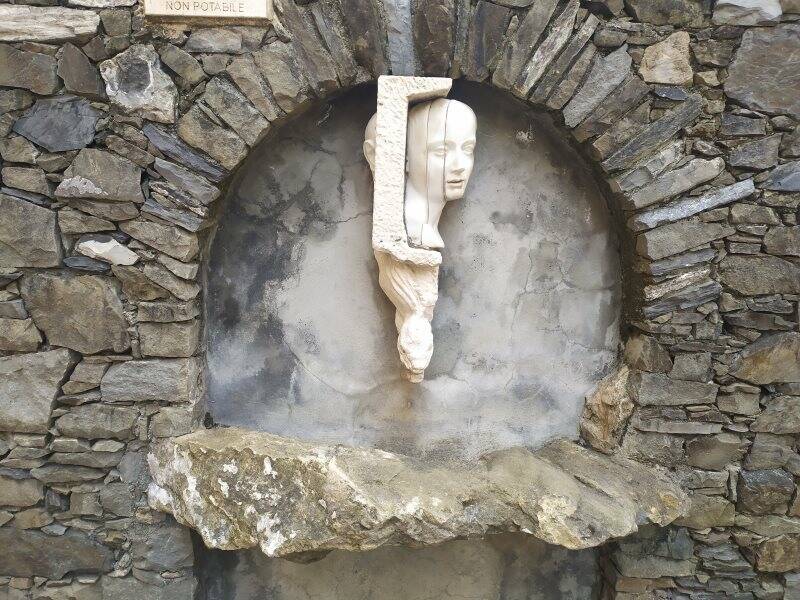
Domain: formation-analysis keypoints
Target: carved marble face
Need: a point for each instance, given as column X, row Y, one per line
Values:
column 440, row 148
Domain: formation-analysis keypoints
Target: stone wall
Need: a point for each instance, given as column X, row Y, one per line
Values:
column 118, row 137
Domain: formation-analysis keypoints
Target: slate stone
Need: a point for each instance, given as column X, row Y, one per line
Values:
column 756, row 79
column 606, row 74
column 219, row 143
column 280, row 65
column 28, row 70
column 29, row 179
column 182, row 63
column 314, row 62
column 668, row 61
column 28, row 235
column 518, row 49
column 765, row 491
column 19, row 23
column 708, row 511
column 773, row 358
column 655, row 389
column 781, row 415
column 82, row 312
column 116, row 498
column 330, row 25
column 742, row 213
column 684, row 298
column 655, row 135
column 667, row 12
column 746, row 12
column 75, row 222
column 137, row 286
column 626, row 97
column 13, row 309
column 566, row 88
column 187, row 181
column 172, row 340
column 73, row 551
column 178, row 287
column 86, row 264
column 79, row 74
column 131, row 588
column 215, row 39
column 101, row 175
column 167, row 547
column 655, row 552
column 176, row 380
column 561, row 65
column 790, row 145
column 484, row 38
column 15, row 99
column 560, row 32
column 182, row 218
column 116, row 22
column 784, row 178
column 779, row 555
column 757, row 275
column 367, row 34
column 52, row 473
column 18, row 149
column 756, row 155
column 19, row 335
column 168, row 239
column 714, row 452
column 783, row 241
column 20, row 492
column 733, row 125
column 691, row 205
column 166, row 312
column 758, row 320
column 713, row 53
column 644, row 353
column 176, row 149
column 673, row 182
column 98, row 421
column 235, row 110
column 247, row 77
column 29, row 384
column 136, row 83
column 678, row 237
column 609, row 38
column 434, row 32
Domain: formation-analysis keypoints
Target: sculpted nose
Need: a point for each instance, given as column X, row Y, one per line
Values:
column 459, row 164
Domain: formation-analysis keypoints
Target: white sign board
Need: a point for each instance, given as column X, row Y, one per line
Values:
column 212, row 9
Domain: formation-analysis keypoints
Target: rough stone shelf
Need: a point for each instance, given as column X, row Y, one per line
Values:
column 241, row 489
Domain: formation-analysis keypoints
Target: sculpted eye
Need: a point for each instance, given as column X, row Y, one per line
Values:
column 469, row 147
column 437, row 150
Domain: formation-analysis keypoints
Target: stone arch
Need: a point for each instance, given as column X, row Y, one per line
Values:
column 544, row 56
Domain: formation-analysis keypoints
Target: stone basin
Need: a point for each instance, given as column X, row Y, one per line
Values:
column 241, row 489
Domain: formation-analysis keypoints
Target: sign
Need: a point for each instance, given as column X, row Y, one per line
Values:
column 185, row 10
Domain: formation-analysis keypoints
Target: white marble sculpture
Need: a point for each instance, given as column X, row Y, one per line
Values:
column 421, row 157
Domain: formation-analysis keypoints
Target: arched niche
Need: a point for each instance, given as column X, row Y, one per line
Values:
column 301, row 340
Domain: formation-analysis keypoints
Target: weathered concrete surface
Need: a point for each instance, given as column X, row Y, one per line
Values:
column 241, row 489
column 501, row 567
column 301, row 339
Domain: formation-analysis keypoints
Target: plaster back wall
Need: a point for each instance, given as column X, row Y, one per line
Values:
column 301, row 340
